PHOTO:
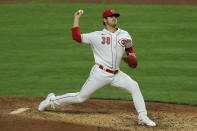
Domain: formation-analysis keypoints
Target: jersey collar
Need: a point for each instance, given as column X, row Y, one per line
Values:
column 105, row 30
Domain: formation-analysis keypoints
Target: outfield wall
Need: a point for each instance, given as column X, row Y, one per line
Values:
column 171, row 2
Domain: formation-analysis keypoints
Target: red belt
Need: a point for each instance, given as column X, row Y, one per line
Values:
column 108, row 70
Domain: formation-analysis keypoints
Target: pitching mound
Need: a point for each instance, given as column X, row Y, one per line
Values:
column 93, row 115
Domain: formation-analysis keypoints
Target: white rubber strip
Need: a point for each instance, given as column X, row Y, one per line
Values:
column 19, row 110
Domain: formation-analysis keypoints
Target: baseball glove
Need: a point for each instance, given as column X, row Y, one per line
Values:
column 131, row 61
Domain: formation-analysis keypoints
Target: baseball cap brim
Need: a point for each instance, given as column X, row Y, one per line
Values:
column 116, row 15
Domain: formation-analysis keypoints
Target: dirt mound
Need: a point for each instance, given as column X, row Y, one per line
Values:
column 93, row 115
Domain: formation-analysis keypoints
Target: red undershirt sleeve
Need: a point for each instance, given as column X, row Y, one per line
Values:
column 129, row 50
column 76, row 34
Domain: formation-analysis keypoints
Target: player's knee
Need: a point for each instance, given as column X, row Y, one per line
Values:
column 136, row 86
column 133, row 87
column 80, row 99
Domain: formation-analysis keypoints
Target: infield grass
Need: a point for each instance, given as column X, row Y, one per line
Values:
column 38, row 55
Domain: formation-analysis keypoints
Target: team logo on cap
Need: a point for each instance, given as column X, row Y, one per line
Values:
column 112, row 11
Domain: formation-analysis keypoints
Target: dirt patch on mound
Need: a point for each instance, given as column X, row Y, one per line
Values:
column 94, row 115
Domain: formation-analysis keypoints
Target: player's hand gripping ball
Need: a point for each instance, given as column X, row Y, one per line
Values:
column 131, row 61
column 80, row 11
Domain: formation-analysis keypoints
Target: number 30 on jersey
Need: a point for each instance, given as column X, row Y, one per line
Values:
column 105, row 40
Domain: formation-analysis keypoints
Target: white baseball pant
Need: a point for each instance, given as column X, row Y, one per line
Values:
column 99, row 78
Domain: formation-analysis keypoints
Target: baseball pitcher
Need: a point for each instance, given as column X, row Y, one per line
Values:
column 108, row 46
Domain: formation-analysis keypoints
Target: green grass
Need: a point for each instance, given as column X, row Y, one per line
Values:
column 38, row 55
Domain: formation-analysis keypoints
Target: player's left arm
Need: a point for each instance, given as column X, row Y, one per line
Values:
column 129, row 45
column 130, row 51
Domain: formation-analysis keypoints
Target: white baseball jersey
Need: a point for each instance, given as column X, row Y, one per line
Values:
column 108, row 47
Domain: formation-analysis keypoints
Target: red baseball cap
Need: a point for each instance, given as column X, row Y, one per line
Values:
column 110, row 12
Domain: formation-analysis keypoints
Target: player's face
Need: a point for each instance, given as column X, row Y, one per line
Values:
column 111, row 21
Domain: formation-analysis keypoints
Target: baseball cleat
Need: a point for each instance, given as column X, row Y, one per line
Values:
column 47, row 102
column 146, row 121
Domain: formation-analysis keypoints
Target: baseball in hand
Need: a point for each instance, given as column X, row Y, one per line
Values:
column 80, row 11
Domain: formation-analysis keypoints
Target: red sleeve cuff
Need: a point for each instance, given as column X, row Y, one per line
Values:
column 76, row 34
column 129, row 50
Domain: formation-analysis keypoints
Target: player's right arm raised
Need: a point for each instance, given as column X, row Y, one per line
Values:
column 77, row 16
column 75, row 30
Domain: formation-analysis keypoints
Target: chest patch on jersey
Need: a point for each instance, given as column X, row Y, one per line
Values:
column 122, row 42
